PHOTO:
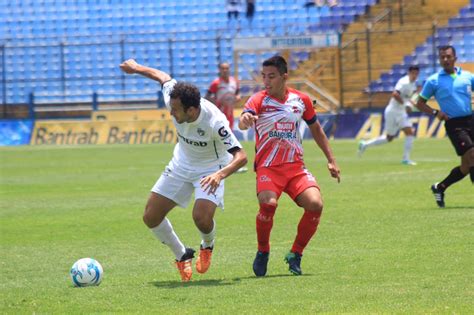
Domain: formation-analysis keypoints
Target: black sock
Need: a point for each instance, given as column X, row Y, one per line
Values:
column 454, row 176
column 471, row 173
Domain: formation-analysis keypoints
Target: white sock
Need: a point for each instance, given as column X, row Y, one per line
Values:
column 208, row 239
column 165, row 233
column 376, row 141
column 407, row 148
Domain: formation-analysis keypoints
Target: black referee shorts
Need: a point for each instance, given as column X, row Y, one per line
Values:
column 460, row 131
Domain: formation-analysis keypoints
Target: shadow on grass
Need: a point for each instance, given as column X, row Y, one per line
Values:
column 466, row 207
column 192, row 283
column 217, row 282
column 269, row 277
column 470, row 207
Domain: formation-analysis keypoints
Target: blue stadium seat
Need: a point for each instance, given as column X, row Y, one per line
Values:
column 462, row 38
column 146, row 27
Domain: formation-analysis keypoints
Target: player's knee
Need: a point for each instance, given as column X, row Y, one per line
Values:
column 409, row 131
column 268, row 204
column 315, row 205
column 149, row 219
column 266, row 212
column 471, row 156
column 203, row 222
column 268, row 200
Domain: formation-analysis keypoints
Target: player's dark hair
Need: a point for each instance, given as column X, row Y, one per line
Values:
column 188, row 94
column 446, row 47
column 278, row 62
column 413, row 68
column 223, row 63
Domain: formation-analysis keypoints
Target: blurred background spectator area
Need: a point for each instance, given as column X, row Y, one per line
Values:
column 61, row 57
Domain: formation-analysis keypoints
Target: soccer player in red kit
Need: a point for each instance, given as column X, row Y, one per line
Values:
column 276, row 114
column 224, row 92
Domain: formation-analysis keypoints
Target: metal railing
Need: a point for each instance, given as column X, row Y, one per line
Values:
column 355, row 50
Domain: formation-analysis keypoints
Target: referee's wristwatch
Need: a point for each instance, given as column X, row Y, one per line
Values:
column 435, row 112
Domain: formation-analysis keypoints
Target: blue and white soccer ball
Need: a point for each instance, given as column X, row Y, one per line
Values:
column 86, row 272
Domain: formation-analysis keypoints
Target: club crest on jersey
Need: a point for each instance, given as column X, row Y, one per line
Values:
column 296, row 109
column 201, row 132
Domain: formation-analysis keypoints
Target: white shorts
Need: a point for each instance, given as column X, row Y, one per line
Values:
column 179, row 185
column 395, row 121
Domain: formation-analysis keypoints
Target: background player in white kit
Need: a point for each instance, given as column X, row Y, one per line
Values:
column 206, row 153
column 396, row 116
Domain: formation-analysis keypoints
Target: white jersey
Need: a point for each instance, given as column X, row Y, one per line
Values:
column 204, row 143
column 406, row 90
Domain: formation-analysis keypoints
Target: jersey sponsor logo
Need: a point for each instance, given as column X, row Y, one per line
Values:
column 287, row 135
column 284, row 126
column 223, row 132
column 269, row 109
column 193, row 142
column 284, row 130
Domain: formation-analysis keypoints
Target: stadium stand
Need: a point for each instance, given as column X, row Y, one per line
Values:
column 65, row 50
column 459, row 32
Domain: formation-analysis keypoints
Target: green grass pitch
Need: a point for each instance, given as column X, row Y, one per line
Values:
column 383, row 246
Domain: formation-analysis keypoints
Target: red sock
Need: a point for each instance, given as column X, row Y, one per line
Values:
column 306, row 229
column 264, row 226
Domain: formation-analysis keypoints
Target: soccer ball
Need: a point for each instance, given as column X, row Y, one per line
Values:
column 86, row 272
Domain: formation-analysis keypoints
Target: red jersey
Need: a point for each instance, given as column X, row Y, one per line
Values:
column 224, row 91
column 278, row 140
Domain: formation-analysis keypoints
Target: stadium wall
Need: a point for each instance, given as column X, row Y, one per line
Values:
column 149, row 127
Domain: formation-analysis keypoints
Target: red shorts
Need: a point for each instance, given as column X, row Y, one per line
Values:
column 229, row 114
column 292, row 178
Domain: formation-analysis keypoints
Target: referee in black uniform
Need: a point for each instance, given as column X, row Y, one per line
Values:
column 452, row 89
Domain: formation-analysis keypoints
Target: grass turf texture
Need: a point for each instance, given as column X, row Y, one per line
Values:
column 382, row 246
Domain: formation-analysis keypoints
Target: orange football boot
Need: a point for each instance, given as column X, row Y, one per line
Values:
column 203, row 262
column 184, row 265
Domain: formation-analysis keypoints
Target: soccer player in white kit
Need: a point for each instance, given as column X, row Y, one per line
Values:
column 207, row 152
column 396, row 116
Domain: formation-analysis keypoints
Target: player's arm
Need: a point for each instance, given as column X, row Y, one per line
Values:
column 239, row 159
column 131, row 66
column 211, row 183
column 211, row 92
column 238, row 96
column 396, row 95
column 249, row 115
column 322, row 141
column 426, row 93
column 210, row 97
column 247, row 120
column 423, row 107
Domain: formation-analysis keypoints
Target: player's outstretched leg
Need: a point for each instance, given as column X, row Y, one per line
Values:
column 203, row 261
column 438, row 194
column 260, row 263
column 438, row 189
column 184, row 265
column 361, row 148
column 363, row 145
column 407, row 150
column 294, row 263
